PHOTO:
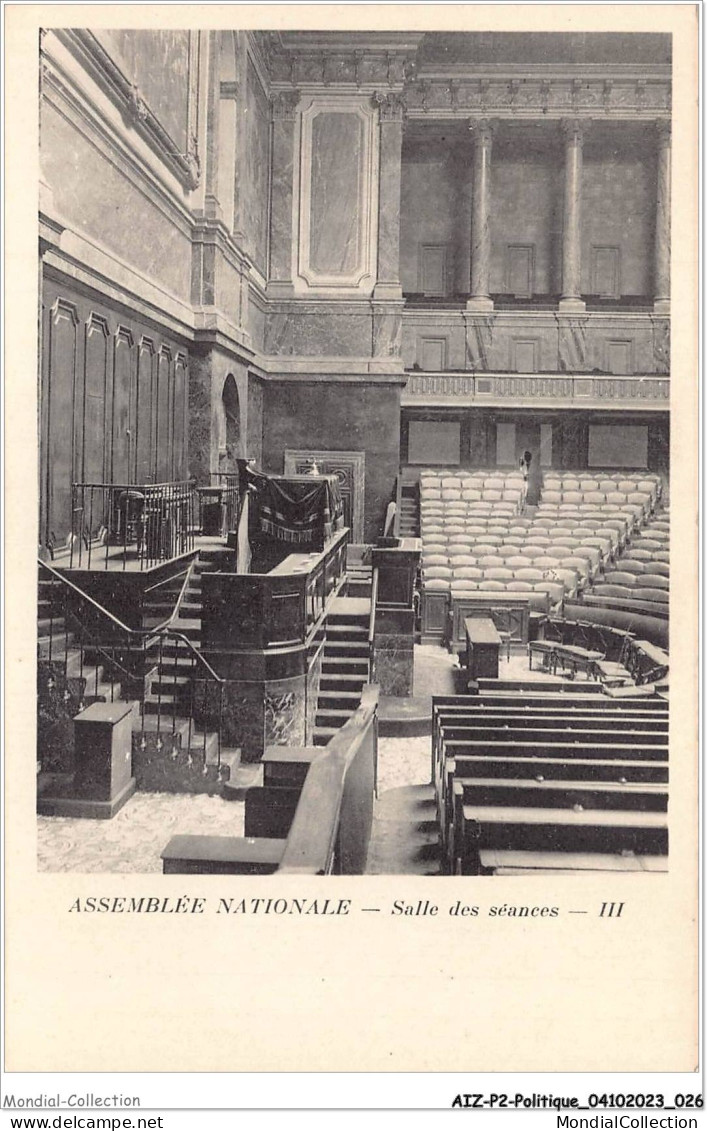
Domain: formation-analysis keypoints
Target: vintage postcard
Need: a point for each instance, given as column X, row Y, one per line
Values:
column 351, row 540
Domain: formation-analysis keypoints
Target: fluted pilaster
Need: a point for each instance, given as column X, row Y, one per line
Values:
column 391, row 143
column 284, row 121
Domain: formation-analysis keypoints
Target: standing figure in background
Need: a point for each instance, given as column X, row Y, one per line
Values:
column 532, row 476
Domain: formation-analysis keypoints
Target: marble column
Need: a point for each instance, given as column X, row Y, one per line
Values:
column 661, row 284
column 479, row 298
column 212, row 148
column 571, row 300
column 391, row 144
column 284, row 119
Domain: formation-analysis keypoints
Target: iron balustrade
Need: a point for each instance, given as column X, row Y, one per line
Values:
column 231, row 499
column 83, row 641
column 131, row 525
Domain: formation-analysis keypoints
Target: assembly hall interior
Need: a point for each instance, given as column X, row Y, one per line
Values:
column 354, row 430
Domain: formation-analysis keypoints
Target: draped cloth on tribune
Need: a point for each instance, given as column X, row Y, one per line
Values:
column 304, row 511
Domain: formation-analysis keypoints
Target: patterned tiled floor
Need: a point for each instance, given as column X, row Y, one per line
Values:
column 134, row 839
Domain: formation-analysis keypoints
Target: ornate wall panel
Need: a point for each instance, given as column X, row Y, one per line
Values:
column 337, row 195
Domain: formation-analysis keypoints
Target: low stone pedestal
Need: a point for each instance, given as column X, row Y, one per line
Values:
column 103, row 780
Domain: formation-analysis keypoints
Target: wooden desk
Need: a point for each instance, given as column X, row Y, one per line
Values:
column 556, row 654
column 510, row 612
column 482, row 645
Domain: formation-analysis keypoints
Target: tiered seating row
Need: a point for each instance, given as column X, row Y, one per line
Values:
column 519, row 554
column 617, row 487
column 642, row 573
column 499, row 491
column 471, row 544
column 556, row 774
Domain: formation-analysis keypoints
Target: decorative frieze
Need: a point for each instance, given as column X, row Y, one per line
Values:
column 548, row 97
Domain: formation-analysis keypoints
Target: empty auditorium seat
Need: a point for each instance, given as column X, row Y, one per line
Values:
column 645, row 594
column 612, row 591
column 498, row 573
column 618, row 577
column 554, row 589
column 437, row 584
column 579, row 565
column 467, row 573
column 490, row 561
column 528, row 574
column 629, row 565
column 655, row 581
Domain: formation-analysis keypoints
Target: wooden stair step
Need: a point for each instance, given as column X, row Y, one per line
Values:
column 344, row 648
column 329, row 718
column 322, row 735
column 337, row 683
column 344, row 664
column 343, row 700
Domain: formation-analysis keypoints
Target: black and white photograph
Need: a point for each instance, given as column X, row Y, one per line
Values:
column 339, row 537
column 354, row 458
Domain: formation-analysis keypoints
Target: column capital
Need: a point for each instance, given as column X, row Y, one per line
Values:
column 573, row 130
column 284, row 104
column 482, row 130
column 391, row 105
column 664, row 131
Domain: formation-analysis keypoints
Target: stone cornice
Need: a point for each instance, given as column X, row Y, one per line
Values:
column 349, row 61
column 84, row 45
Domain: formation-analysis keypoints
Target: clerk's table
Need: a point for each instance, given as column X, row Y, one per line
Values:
column 482, row 645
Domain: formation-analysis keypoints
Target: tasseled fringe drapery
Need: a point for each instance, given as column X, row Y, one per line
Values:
column 304, row 511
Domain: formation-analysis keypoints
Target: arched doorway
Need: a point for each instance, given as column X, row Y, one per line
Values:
column 230, row 432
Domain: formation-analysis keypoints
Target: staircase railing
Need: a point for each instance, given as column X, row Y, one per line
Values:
column 131, row 525
column 229, row 482
column 91, row 638
column 372, row 618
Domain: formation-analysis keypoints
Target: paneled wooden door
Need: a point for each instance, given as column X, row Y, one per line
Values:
column 349, row 468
